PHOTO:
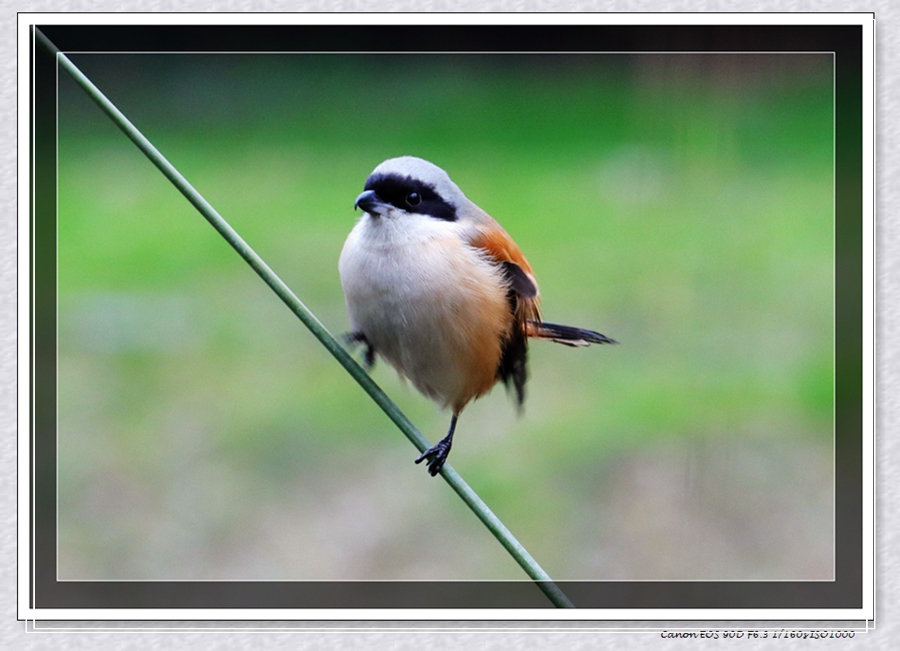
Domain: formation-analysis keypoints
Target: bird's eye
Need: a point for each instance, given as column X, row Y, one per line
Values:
column 413, row 199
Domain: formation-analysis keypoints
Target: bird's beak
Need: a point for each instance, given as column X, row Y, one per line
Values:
column 370, row 202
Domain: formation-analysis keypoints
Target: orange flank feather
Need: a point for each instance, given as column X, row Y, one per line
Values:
column 500, row 247
column 522, row 297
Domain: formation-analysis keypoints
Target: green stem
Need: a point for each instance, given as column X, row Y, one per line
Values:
column 494, row 525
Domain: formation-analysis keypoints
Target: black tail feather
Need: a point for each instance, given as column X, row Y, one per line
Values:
column 568, row 335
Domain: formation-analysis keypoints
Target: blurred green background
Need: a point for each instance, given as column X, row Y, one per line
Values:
column 681, row 204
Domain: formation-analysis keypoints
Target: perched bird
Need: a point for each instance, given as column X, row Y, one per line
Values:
column 437, row 288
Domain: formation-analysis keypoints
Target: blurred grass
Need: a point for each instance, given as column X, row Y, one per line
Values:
column 680, row 204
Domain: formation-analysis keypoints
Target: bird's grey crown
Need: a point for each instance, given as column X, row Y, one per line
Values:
column 395, row 180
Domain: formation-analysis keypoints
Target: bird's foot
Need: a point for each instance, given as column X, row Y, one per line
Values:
column 436, row 456
column 353, row 339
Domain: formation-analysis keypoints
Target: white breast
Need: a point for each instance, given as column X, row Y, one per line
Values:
column 430, row 305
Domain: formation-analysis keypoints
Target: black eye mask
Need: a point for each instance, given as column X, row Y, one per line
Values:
column 407, row 193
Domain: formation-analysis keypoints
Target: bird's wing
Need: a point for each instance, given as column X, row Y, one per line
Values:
column 498, row 246
column 523, row 295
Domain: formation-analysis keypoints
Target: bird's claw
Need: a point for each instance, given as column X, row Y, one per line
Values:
column 353, row 339
column 436, row 456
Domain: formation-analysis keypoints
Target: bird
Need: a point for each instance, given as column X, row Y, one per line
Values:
column 438, row 289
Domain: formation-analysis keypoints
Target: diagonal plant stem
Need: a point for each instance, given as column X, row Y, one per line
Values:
column 469, row 496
